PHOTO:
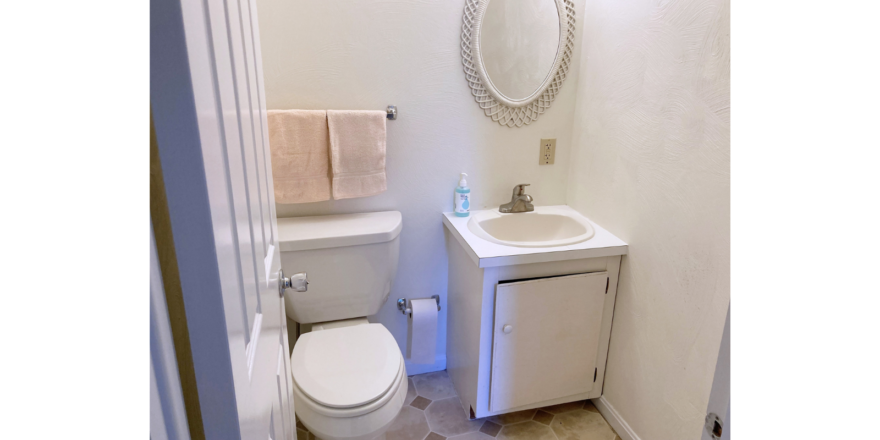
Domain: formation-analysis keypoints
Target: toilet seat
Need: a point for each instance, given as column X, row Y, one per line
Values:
column 309, row 405
column 349, row 383
column 360, row 423
column 347, row 368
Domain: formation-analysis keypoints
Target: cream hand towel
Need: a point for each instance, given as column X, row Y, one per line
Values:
column 357, row 152
column 300, row 155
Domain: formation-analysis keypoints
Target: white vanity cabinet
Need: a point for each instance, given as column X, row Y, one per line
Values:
column 525, row 333
column 545, row 338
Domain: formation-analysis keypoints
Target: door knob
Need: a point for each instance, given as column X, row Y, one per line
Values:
column 507, row 329
column 298, row 281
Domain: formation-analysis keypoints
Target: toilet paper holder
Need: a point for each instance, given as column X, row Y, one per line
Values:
column 402, row 305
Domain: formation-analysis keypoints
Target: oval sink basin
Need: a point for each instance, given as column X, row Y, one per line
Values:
column 544, row 227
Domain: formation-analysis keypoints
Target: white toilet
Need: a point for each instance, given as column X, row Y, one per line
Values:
column 349, row 378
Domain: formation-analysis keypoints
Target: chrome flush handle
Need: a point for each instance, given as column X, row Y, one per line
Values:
column 298, row 281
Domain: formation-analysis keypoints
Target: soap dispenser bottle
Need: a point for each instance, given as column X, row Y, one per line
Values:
column 462, row 198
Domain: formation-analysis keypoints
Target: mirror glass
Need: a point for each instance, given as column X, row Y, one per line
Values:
column 519, row 40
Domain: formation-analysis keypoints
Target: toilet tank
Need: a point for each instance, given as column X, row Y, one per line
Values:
column 350, row 260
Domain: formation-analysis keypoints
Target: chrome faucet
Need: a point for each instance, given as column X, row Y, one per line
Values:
column 519, row 202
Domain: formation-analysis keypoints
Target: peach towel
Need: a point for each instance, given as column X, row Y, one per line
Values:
column 357, row 152
column 300, row 155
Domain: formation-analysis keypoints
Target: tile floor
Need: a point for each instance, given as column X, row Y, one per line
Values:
column 432, row 412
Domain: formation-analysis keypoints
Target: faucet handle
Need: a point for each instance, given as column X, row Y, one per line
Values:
column 520, row 189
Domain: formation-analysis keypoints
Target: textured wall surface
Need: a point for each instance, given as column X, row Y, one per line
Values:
column 651, row 163
column 367, row 54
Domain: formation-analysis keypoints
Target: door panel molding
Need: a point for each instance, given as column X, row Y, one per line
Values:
column 213, row 152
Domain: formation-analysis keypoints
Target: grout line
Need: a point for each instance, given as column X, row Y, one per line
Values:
column 551, row 424
column 427, row 419
column 415, row 387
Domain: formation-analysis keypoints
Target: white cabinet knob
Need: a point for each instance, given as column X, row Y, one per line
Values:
column 507, row 329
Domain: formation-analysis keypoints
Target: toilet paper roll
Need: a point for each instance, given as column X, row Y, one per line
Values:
column 421, row 340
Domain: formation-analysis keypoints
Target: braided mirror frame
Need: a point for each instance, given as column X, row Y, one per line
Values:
column 493, row 103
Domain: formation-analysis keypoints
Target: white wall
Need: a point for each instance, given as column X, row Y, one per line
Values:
column 651, row 163
column 367, row 54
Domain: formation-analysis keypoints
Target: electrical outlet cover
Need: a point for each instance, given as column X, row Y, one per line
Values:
column 547, row 152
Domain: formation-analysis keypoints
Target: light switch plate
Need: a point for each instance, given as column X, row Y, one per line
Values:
column 548, row 152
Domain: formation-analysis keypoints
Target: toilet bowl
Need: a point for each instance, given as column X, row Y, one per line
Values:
column 349, row 381
column 349, row 377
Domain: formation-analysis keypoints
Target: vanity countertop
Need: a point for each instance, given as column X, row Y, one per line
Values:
column 487, row 254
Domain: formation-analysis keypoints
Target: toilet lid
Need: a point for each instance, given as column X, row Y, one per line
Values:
column 347, row 366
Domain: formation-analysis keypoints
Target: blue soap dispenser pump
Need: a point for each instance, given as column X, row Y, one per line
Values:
column 462, row 198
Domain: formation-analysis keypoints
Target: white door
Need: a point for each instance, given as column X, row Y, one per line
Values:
column 209, row 114
column 167, row 413
column 546, row 338
column 719, row 397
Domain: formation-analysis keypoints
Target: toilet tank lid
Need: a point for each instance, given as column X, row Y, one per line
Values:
column 330, row 231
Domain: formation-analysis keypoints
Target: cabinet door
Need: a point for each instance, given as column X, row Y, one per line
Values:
column 546, row 337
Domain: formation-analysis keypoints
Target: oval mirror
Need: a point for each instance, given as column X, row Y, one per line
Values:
column 516, row 54
column 519, row 40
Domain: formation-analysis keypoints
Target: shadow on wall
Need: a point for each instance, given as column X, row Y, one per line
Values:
column 651, row 163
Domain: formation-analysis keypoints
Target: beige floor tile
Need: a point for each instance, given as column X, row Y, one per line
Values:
column 581, row 425
column 490, row 428
column 472, row 436
column 434, row 386
column 530, row 430
column 590, row 407
column 514, row 417
column 420, row 403
column 564, row 407
column 446, row 417
column 410, row 391
column 543, row 417
column 410, row 424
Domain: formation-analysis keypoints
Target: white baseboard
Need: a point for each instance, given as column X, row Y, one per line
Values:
column 614, row 419
column 413, row 369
